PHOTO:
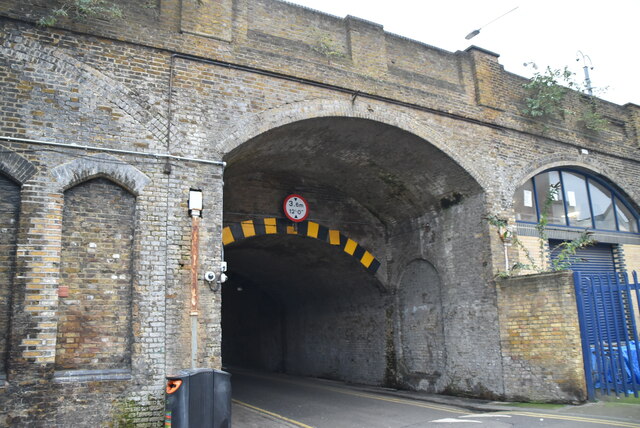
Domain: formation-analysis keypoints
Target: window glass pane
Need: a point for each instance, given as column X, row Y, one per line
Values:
column 575, row 190
column 626, row 220
column 602, row 206
column 544, row 181
column 524, row 203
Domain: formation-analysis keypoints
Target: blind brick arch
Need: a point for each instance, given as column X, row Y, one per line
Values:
column 94, row 330
column 9, row 209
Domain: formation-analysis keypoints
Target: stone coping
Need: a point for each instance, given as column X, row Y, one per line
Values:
column 65, row 376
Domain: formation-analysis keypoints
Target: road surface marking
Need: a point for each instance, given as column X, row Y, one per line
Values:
column 485, row 415
column 455, row 421
column 274, row 415
column 414, row 403
column 576, row 419
column 407, row 402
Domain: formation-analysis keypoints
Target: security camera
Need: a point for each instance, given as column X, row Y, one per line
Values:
column 209, row 276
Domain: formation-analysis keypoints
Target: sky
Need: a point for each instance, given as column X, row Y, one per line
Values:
column 602, row 34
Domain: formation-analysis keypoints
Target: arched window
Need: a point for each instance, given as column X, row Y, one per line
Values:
column 582, row 201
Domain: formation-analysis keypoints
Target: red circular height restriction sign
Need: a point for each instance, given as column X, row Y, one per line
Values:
column 295, row 208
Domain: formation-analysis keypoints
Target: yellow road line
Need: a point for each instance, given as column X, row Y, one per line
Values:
column 415, row 403
column 275, row 415
column 407, row 402
column 400, row 401
column 574, row 419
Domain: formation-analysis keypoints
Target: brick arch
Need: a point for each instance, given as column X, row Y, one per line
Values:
column 308, row 229
column 67, row 67
column 568, row 161
column 257, row 124
column 102, row 165
column 16, row 167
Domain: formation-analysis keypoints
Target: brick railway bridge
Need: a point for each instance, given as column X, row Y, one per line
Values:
column 401, row 150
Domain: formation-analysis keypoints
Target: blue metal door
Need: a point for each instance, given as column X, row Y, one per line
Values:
column 596, row 258
column 607, row 308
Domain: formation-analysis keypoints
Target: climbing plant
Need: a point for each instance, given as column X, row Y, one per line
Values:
column 565, row 251
column 79, row 10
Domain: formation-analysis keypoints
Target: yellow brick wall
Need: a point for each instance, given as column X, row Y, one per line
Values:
column 540, row 338
column 531, row 244
column 632, row 257
column 632, row 262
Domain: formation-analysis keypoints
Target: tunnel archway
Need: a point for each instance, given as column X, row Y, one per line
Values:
column 287, row 306
column 301, row 305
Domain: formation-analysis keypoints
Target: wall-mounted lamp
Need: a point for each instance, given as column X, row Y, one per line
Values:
column 195, row 203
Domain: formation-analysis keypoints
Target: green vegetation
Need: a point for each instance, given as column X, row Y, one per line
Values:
column 79, row 10
column 125, row 414
column 591, row 116
column 562, row 259
column 326, row 46
column 546, row 92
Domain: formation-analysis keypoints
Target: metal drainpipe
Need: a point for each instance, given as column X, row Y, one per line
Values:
column 107, row 150
column 506, row 256
column 195, row 241
column 507, row 239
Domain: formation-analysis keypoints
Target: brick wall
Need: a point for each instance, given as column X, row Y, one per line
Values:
column 540, row 338
column 539, row 255
column 237, row 71
column 94, row 313
column 421, row 334
column 631, row 257
column 632, row 264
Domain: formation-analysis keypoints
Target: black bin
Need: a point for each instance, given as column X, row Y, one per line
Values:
column 198, row 398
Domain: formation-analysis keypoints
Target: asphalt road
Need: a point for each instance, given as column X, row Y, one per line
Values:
column 272, row 400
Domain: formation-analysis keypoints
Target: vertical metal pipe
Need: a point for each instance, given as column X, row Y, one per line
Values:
column 506, row 257
column 195, row 243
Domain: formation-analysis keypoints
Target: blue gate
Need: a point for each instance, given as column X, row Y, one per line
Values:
column 608, row 311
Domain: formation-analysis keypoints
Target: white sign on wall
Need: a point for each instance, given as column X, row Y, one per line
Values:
column 295, row 208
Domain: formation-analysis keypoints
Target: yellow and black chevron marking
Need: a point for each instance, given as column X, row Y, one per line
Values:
column 279, row 226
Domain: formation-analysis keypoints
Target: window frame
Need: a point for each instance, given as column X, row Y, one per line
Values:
column 612, row 193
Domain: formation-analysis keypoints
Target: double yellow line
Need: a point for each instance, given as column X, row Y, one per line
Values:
column 415, row 403
column 272, row 414
column 573, row 419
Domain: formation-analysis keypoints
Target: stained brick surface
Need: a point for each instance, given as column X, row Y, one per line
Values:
column 224, row 80
column 94, row 320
